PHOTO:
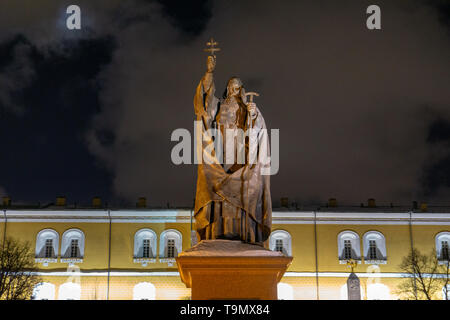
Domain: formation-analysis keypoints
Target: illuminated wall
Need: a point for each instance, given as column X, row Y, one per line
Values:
column 109, row 268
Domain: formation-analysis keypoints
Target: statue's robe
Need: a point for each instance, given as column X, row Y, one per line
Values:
column 232, row 201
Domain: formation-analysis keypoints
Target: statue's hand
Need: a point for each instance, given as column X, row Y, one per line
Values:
column 251, row 107
column 210, row 64
column 202, row 113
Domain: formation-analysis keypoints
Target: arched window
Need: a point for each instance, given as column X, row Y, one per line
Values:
column 144, row 291
column 378, row 291
column 44, row 291
column 374, row 248
column 281, row 241
column 285, row 291
column 170, row 244
column 443, row 246
column 72, row 245
column 69, row 291
column 145, row 244
column 47, row 244
column 348, row 246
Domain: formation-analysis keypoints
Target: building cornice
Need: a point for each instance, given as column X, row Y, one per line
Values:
column 184, row 216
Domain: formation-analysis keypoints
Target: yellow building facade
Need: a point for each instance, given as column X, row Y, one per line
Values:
column 129, row 254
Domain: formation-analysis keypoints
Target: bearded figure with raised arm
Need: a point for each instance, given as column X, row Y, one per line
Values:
column 233, row 194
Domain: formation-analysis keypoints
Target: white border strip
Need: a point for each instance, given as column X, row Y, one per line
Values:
column 105, row 274
column 94, row 220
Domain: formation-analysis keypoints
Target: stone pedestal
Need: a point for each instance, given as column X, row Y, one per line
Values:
column 353, row 287
column 225, row 269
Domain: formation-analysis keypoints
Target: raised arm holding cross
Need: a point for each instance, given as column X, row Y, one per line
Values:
column 233, row 186
column 211, row 44
column 210, row 63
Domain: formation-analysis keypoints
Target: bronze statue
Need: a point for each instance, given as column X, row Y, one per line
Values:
column 232, row 198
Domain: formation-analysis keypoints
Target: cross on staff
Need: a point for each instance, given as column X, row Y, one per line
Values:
column 351, row 263
column 251, row 94
column 211, row 44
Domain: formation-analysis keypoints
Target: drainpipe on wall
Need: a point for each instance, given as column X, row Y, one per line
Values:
column 109, row 255
column 412, row 249
column 317, row 263
column 4, row 230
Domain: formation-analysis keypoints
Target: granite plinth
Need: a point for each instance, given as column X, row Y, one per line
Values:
column 226, row 269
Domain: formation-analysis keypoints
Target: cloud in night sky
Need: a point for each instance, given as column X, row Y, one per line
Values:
column 361, row 113
column 14, row 77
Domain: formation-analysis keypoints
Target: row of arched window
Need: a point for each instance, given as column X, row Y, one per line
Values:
column 374, row 245
column 73, row 242
column 145, row 244
column 170, row 244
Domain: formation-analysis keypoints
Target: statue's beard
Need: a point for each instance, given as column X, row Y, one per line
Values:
column 233, row 95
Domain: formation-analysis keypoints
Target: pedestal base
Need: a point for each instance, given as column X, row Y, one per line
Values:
column 225, row 269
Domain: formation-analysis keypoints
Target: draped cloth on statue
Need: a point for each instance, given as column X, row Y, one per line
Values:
column 232, row 201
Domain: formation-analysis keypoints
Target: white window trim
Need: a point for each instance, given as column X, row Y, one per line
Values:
column 67, row 237
column 380, row 240
column 170, row 261
column 354, row 239
column 281, row 235
column 375, row 261
column 71, row 261
column 41, row 238
column 441, row 236
column 170, row 233
column 144, row 261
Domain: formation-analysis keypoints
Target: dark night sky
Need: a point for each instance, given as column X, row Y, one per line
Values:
column 90, row 112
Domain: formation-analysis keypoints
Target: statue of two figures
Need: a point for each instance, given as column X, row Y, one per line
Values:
column 233, row 185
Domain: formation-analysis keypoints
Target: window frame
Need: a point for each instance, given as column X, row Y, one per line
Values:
column 41, row 239
column 139, row 237
column 165, row 235
column 283, row 235
column 66, row 245
column 355, row 243
column 439, row 238
column 48, row 248
column 380, row 242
